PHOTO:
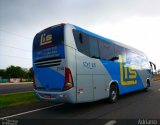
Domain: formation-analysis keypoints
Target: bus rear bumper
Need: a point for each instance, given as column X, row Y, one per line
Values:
column 56, row 97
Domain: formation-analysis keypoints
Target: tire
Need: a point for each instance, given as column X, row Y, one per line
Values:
column 148, row 85
column 113, row 94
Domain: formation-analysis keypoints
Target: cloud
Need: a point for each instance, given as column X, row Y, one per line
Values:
column 27, row 17
column 28, row 13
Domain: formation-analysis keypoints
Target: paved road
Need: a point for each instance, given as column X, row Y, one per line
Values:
column 13, row 88
column 131, row 109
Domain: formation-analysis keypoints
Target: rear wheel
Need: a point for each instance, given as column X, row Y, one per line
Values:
column 148, row 85
column 113, row 94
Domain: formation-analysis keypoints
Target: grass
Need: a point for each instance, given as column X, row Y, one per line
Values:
column 17, row 99
column 156, row 77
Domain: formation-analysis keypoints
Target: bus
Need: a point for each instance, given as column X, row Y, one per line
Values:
column 73, row 65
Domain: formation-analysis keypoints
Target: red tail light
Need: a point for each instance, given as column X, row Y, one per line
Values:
column 68, row 79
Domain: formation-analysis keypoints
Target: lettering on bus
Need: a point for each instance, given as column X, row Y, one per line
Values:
column 49, row 52
column 45, row 39
column 127, row 74
column 60, row 68
column 89, row 65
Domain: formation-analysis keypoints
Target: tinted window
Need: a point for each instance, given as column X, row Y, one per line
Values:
column 82, row 42
column 94, row 48
column 133, row 58
column 50, row 37
column 137, row 60
column 145, row 63
column 120, row 51
column 106, row 50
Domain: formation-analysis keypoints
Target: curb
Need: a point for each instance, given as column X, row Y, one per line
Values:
column 15, row 83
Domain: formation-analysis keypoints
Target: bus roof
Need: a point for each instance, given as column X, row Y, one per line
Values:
column 98, row 36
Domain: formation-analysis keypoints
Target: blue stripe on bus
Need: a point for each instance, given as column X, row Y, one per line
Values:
column 56, row 51
column 60, row 51
column 49, row 78
column 94, row 35
column 114, row 71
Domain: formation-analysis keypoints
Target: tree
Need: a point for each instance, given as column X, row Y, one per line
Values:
column 30, row 73
column 3, row 74
column 14, row 72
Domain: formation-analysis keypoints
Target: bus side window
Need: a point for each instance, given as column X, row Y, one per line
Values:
column 106, row 50
column 80, row 38
column 138, row 60
column 145, row 63
column 120, row 51
column 82, row 42
column 94, row 48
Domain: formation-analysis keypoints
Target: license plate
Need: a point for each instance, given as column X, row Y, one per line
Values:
column 48, row 96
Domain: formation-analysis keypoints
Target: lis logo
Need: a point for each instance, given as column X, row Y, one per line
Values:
column 127, row 74
column 45, row 39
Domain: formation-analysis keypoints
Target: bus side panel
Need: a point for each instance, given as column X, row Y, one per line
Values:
column 138, row 85
column 71, row 64
column 84, row 88
column 84, row 79
column 70, row 55
column 144, row 75
column 92, row 79
column 99, row 87
column 116, row 75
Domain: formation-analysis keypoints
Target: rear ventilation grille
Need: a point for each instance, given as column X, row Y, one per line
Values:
column 48, row 62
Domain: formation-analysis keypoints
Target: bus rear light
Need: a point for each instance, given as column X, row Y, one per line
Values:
column 68, row 79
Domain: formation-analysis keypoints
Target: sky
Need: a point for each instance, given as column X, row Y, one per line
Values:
column 132, row 22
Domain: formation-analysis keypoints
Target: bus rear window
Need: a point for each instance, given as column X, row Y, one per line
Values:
column 49, row 37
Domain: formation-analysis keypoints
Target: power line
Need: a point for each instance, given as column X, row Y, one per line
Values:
column 15, row 56
column 18, row 35
column 15, row 48
column 9, row 41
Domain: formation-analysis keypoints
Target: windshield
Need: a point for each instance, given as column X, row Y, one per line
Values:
column 49, row 43
column 48, row 38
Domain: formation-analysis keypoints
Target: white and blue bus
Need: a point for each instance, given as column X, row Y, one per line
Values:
column 73, row 65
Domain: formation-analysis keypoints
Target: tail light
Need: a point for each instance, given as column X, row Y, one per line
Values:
column 68, row 79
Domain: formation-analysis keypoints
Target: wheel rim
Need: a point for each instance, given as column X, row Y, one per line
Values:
column 113, row 95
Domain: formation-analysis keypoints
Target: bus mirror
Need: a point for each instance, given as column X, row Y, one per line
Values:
column 152, row 66
column 155, row 67
column 80, row 38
